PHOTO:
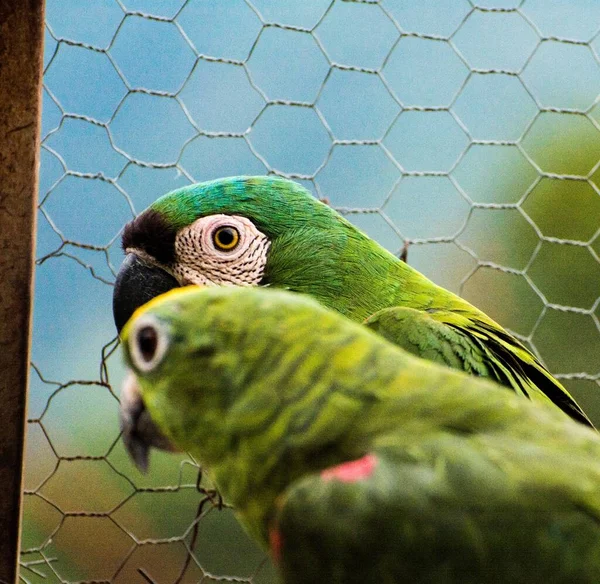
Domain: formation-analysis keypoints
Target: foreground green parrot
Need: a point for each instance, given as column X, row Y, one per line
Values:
column 269, row 231
column 354, row 461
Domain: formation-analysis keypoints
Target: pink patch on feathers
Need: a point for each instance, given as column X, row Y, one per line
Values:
column 350, row 472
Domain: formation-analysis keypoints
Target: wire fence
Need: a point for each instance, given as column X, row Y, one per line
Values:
column 467, row 130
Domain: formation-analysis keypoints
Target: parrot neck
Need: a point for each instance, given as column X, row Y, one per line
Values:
column 253, row 481
column 350, row 273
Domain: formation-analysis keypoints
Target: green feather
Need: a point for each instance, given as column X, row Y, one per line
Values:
column 471, row 483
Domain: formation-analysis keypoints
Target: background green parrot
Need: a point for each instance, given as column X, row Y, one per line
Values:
column 270, row 231
column 353, row 460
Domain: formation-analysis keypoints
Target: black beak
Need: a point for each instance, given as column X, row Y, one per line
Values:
column 137, row 283
column 139, row 431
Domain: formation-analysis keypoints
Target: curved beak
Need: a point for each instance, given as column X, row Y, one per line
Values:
column 140, row 434
column 137, row 282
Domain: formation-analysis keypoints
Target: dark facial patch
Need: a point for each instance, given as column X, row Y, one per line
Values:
column 151, row 233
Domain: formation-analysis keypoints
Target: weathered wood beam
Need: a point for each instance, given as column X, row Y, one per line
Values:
column 21, row 51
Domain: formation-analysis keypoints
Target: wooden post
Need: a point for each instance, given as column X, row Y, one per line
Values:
column 21, row 51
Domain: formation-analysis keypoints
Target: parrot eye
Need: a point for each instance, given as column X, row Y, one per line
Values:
column 147, row 342
column 147, row 345
column 226, row 238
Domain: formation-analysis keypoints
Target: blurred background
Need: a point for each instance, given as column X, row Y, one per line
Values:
column 468, row 129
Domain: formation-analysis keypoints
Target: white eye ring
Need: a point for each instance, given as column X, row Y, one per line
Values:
column 148, row 343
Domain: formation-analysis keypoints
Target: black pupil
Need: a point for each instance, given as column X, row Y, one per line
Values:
column 226, row 236
column 147, row 341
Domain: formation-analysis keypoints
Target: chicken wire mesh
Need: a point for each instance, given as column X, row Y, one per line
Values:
column 469, row 130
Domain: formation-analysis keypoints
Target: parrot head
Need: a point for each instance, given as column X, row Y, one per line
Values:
column 167, row 364
column 241, row 231
column 194, row 354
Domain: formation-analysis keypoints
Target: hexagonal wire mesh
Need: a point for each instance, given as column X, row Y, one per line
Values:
column 467, row 129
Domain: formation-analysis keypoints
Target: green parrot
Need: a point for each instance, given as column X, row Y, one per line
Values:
column 269, row 231
column 352, row 460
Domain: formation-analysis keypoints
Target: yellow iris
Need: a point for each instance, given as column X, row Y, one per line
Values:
column 226, row 238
